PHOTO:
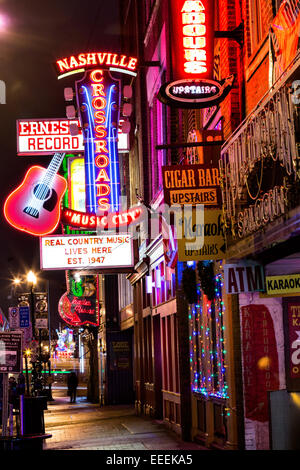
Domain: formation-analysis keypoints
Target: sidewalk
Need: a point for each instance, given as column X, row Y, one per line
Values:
column 86, row 426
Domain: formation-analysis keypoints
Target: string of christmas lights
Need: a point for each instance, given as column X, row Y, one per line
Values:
column 207, row 344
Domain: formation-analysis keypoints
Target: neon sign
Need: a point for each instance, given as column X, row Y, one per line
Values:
column 112, row 251
column 46, row 136
column 192, row 38
column 95, row 59
column 87, row 221
column 98, row 96
column 34, row 206
column 195, row 93
column 79, row 306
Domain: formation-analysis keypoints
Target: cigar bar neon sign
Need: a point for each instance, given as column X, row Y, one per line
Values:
column 98, row 96
column 95, row 59
column 192, row 38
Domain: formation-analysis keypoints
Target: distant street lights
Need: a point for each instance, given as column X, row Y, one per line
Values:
column 43, row 356
column 32, row 280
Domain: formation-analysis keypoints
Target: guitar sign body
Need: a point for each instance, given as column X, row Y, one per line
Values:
column 34, row 207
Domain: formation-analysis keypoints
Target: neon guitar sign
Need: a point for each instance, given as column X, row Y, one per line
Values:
column 34, row 207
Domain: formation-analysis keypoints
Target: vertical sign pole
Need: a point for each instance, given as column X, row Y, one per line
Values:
column 21, row 415
column 27, row 375
column 11, row 419
column 5, row 404
column 49, row 333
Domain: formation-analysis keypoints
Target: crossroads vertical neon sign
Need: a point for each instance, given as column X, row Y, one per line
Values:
column 98, row 96
column 192, row 38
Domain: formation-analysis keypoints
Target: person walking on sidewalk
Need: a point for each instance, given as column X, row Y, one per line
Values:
column 72, row 386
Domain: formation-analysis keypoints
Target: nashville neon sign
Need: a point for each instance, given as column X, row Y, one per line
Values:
column 95, row 59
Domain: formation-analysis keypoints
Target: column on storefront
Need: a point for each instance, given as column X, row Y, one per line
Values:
column 261, row 209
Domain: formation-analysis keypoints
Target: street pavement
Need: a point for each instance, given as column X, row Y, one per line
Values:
column 87, row 426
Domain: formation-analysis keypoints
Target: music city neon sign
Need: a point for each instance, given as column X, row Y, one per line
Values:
column 110, row 220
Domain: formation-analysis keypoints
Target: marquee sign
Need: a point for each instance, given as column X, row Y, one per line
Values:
column 77, row 311
column 285, row 284
column 291, row 312
column 192, row 184
column 78, row 306
column 34, row 206
column 192, row 55
column 192, row 36
column 46, row 136
column 87, row 252
column 91, row 60
column 98, row 96
column 87, row 221
column 200, row 240
column 244, row 277
column 199, row 93
column 272, row 204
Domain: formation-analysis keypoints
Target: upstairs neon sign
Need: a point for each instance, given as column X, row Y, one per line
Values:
column 192, row 52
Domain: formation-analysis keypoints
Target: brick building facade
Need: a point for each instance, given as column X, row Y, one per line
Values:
column 194, row 377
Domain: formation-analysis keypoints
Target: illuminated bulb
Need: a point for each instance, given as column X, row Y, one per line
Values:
column 125, row 127
column 31, row 277
column 68, row 94
column 127, row 91
column 74, row 129
column 127, row 109
column 70, row 112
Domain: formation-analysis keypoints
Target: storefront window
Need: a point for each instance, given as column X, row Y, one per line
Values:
column 207, row 351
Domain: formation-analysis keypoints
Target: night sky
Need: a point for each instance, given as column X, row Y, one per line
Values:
column 36, row 33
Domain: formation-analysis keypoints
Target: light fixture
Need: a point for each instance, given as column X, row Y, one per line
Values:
column 149, row 284
column 70, row 111
column 158, row 278
column 68, row 94
column 31, row 277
